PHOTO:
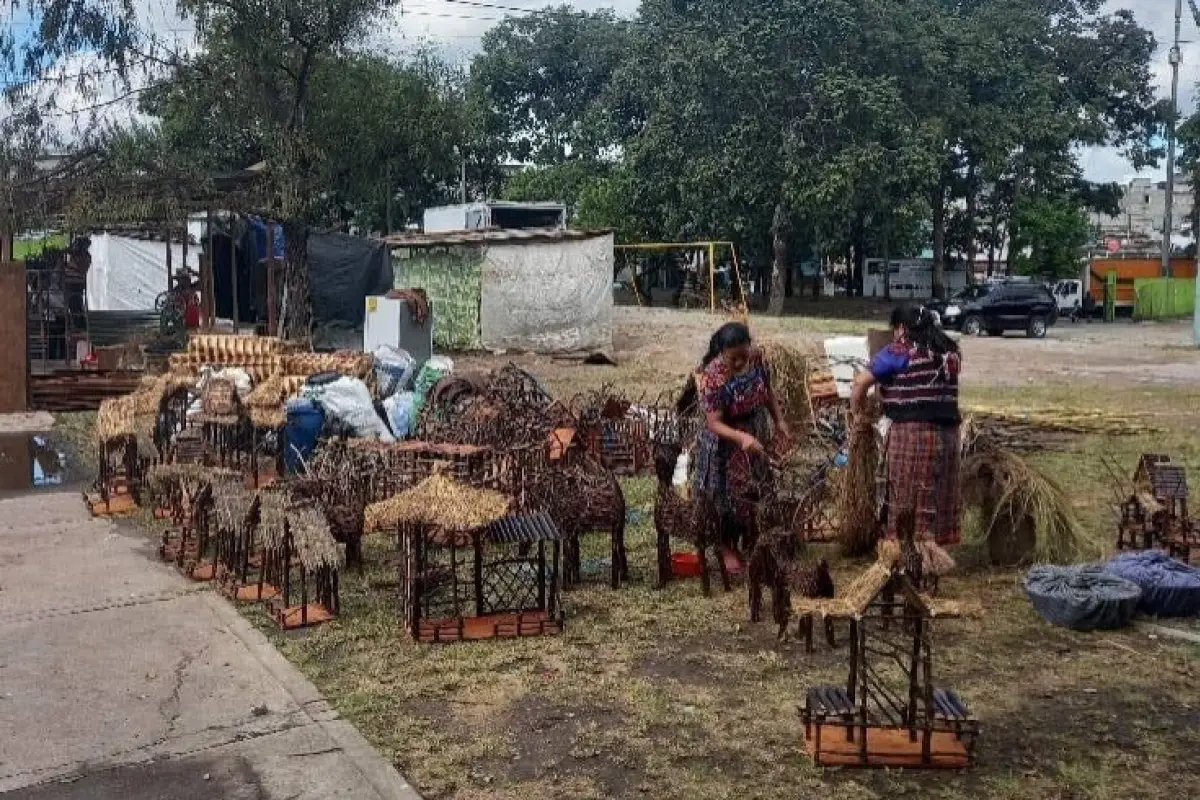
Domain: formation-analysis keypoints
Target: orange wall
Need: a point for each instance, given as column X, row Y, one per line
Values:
column 1129, row 269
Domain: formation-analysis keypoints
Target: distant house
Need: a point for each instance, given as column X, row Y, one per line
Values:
column 542, row 290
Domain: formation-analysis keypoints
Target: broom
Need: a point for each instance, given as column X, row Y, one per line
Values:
column 858, row 510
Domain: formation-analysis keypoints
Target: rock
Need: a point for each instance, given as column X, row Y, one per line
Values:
column 260, row 711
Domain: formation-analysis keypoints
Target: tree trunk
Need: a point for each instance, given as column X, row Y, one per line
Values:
column 939, row 239
column 296, row 319
column 972, row 212
column 994, row 237
column 779, row 265
column 887, row 256
column 858, row 255
column 1012, row 232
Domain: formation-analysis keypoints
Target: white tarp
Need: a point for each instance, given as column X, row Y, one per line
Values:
column 127, row 274
column 547, row 297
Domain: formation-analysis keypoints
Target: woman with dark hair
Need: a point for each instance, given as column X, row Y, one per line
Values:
column 742, row 419
column 917, row 375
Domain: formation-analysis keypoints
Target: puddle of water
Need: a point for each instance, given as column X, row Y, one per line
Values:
column 30, row 462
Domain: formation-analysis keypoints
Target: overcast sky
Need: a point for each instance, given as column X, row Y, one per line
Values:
column 456, row 26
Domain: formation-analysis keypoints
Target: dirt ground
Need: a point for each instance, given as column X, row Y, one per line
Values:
column 654, row 348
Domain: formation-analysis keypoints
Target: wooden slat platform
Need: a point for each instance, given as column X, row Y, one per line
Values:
column 117, row 505
column 492, row 626
column 250, row 594
column 294, row 617
column 886, row 747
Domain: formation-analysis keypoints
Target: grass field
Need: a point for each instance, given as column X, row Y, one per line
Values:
column 667, row 695
column 670, row 695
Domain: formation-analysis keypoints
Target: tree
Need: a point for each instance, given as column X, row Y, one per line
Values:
column 1055, row 232
column 545, row 83
column 265, row 51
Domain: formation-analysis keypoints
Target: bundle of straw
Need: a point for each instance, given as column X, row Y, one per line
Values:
column 1026, row 515
column 314, row 543
column 934, row 560
column 858, row 507
column 116, row 417
column 789, row 380
column 438, row 501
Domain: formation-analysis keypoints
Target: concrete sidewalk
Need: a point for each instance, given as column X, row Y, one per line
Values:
column 121, row 679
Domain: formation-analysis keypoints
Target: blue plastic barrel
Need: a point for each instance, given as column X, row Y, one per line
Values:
column 304, row 422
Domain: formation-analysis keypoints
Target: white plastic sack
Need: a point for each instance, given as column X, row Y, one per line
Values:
column 394, row 369
column 399, row 408
column 348, row 400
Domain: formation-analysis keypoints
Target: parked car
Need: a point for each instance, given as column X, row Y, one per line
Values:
column 949, row 312
column 1028, row 307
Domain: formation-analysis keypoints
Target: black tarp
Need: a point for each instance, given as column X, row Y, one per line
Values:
column 343, row 270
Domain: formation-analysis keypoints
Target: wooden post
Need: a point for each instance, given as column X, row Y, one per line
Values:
column 913, row 679
column 555, row 573
column 862, row 701
column 14, row 346
column 207, row 282
column 478, row 574
column 233, row 272
column 271, row 278
column 541, row 575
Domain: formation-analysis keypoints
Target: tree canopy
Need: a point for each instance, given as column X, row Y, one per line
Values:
column 836, row 127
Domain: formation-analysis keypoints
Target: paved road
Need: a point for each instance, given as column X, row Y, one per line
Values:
column 121, row 679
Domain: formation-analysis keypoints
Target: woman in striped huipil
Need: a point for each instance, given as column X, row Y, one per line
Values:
column 917, row 375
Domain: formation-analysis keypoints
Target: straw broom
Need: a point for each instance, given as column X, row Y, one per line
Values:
column 858, row 510
column 789, row 380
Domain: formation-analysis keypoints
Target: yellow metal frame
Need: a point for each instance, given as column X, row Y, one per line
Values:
column 711, row 247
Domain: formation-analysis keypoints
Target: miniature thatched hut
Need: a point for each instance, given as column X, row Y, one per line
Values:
column 469, row 570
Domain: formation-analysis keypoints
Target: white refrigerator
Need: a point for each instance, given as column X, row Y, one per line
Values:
column 388, row 321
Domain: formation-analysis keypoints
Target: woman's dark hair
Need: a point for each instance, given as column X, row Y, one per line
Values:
column 731, row 334
column 922, row 330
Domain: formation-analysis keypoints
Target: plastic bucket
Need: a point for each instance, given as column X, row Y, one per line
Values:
column 305, row 419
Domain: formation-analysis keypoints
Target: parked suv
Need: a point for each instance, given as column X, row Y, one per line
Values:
column 1028, row 307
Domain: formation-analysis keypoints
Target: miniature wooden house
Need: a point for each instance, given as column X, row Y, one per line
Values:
column 267, row 418
column 223, row 423
column 1156, row 513
column 120, row 470
column 184, row 494
column 467, row 568
column 299, row 562
column 889, row 713
column 235, row 519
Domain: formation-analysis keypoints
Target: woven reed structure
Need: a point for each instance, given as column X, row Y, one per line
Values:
column 469, row 569
column 889, row 712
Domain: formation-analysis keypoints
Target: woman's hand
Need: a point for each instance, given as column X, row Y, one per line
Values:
column 750, row 444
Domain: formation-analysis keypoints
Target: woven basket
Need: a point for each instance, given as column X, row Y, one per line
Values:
column 220, row 398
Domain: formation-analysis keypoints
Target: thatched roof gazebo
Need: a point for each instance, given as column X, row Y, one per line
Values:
column 468, row 568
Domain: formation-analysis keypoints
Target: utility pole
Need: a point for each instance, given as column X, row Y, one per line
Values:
column 1174, row 59
column 462, row 188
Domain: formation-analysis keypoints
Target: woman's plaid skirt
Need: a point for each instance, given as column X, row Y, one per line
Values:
column 923, row 488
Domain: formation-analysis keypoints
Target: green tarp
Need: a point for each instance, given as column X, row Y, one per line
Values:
column 1163, row 298
column 452, row 279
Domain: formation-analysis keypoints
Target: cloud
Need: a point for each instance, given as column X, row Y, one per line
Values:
column 1158, row 16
